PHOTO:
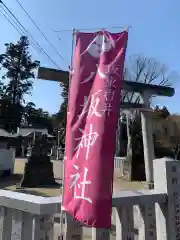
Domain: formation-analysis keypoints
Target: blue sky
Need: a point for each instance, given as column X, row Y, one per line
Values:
column 154, row 33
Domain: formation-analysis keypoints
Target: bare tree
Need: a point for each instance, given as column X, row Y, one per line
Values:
column 144, row 70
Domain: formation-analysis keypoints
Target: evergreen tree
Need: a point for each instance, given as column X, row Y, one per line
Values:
column 19, row 70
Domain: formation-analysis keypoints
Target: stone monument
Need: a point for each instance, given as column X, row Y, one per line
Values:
column 38, row 171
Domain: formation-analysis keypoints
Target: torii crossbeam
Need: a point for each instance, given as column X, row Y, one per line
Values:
column 56, row 75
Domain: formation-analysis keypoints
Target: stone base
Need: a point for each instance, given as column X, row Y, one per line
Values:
column 38, row 174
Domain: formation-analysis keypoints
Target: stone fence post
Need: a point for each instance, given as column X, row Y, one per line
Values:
column 167, row 179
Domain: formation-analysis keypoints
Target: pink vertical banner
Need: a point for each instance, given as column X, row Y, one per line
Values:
column 91, row 126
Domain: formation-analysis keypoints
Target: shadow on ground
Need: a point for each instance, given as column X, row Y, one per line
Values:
column 39, row 190
column 12, row 183
column 11, row 180
column 54, row 186
column 32, row 192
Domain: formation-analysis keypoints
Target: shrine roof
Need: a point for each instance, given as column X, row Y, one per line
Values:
column 5, row 134
column 26, row 131
column 31, row 134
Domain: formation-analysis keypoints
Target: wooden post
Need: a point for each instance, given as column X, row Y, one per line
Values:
column 100, row 234
column 5, row 223
column 167, row 179
column 22, row 150
column 147, row 228
column 73, row 229
column 125, row 223
column 27, row 226
column 44, row 227
column 148, row 144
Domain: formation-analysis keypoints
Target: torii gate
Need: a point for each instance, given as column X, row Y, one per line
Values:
column 146, row 91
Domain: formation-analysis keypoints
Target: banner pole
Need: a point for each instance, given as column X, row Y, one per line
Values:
column 63, row 165
column 72, row 52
